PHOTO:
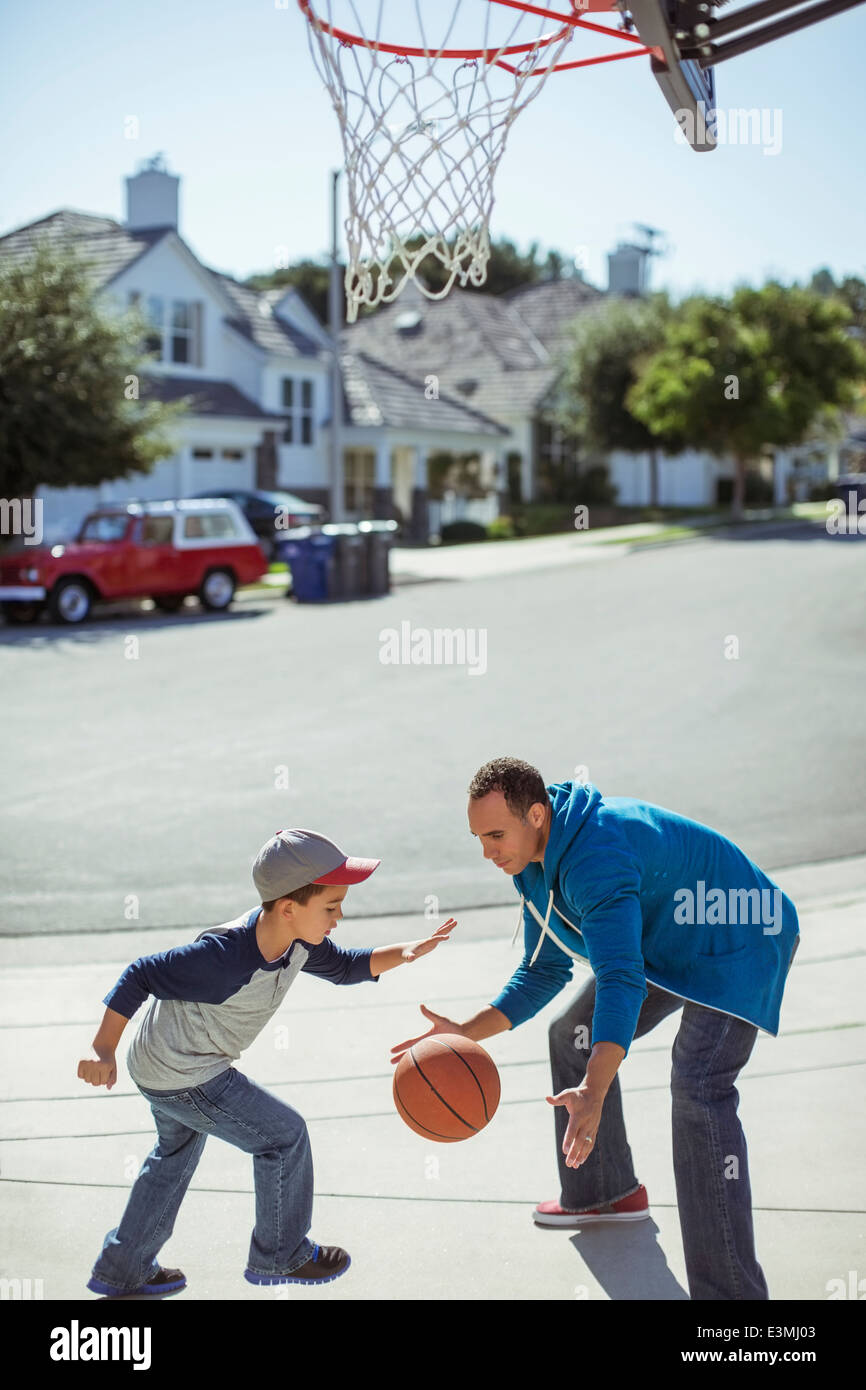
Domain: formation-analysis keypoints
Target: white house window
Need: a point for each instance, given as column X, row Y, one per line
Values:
column 298, row 405
column 202, row 453
column 182, row 331
column 238, row 454
column 176, row 326
column 359, row 476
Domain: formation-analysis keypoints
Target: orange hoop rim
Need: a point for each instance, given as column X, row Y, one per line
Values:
column 495, row 56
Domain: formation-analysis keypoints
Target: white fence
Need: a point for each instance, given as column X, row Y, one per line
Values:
column 455, row 508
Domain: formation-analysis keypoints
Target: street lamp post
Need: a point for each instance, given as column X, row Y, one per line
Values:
column 335, row 319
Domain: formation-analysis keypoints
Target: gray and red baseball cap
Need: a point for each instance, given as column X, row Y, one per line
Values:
column 293, row 858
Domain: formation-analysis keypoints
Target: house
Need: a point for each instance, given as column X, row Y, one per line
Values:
column 503, row 354
column 473, row 376
column 258, row 367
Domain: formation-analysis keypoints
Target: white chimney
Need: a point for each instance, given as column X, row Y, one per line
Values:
column 152, row 197
column 627, row 269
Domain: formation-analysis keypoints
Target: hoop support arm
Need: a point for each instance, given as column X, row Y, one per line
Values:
column 708, row 53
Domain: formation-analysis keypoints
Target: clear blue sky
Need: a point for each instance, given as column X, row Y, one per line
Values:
column 227, row 90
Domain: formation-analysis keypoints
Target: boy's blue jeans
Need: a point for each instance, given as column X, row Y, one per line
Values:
column 713, row 1193
column 233, row 1108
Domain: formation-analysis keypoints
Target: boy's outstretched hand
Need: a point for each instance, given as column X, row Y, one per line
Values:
column 101, row 1073
column 413, row 949
column 404, row 952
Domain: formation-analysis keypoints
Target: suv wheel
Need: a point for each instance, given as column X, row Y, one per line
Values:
column 70, row 601
column 217, row 590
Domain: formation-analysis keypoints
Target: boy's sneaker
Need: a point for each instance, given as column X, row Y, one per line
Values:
column 635, row 1207
column 327, row 1262
column 161, row 1281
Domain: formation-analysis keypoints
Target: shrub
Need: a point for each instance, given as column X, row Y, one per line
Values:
column 542, row 518
column 594, row 486
column 822, row 492
column 502, row 529
column 457, row 531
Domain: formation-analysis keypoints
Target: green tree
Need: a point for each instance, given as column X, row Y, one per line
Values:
column 764, row 368
column 309, row 278
column 69, row 372
column 851, row 290
column 609, row 346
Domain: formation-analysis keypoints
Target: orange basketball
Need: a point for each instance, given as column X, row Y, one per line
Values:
column 446, row 1088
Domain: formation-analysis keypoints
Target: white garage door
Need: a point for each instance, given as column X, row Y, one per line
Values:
column 221, row 468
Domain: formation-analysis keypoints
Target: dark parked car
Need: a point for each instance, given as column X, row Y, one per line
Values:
column 271, row 514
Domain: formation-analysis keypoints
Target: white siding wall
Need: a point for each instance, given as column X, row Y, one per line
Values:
column 301, row 465
column 165, row 271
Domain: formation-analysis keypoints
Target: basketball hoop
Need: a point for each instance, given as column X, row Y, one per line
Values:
column 425, row 123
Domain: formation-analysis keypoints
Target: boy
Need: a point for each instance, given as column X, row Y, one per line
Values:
column 211, row 998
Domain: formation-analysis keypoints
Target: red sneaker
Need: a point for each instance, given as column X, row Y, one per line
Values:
column 635, row 1207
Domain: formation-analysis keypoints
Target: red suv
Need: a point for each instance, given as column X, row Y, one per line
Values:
column 158, row 550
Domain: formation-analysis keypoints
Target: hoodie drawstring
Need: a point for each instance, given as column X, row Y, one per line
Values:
column 544, row 932
column 519, row 920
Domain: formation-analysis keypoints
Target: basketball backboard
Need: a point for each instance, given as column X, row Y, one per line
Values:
column 689, row 89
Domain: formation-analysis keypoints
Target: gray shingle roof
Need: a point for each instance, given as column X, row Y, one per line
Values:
column 210, row 397
column 376, row 394
column 549, row 309
column 257, row 321
column 499, row 354
column 107, row 246
column 110, row 248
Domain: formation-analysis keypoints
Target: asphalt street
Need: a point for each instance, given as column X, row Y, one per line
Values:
column 146, row 758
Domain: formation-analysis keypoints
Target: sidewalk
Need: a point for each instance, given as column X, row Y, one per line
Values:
column 427, row 1221
column 485, row 559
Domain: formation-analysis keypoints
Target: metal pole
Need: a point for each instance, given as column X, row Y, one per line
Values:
column 335, row 321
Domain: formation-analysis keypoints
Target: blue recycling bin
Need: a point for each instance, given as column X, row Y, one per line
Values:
column 311, row 558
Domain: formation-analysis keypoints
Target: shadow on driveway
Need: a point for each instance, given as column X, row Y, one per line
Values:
column 628, row 1262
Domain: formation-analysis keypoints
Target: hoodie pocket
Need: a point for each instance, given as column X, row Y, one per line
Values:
column 718, row 976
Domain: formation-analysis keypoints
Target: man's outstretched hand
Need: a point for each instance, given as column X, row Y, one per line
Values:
column 440, row 1024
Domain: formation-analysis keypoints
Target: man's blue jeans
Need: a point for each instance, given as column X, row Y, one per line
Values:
column 711, row 1167
column 233, row 1108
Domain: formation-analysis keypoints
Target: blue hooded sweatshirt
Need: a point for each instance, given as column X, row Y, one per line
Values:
column 642, row 894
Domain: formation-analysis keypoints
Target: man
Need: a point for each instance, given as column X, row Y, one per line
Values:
column 670, row 915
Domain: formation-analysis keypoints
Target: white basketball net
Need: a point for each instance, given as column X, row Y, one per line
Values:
column 423, row 136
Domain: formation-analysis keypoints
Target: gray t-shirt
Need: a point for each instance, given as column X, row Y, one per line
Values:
column 212, row 997
column 180, row 1044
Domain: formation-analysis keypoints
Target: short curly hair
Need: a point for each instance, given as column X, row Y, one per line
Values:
column 521, row 784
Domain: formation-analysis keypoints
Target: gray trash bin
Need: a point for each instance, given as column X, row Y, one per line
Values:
column 350, row 559
column 379, row 537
